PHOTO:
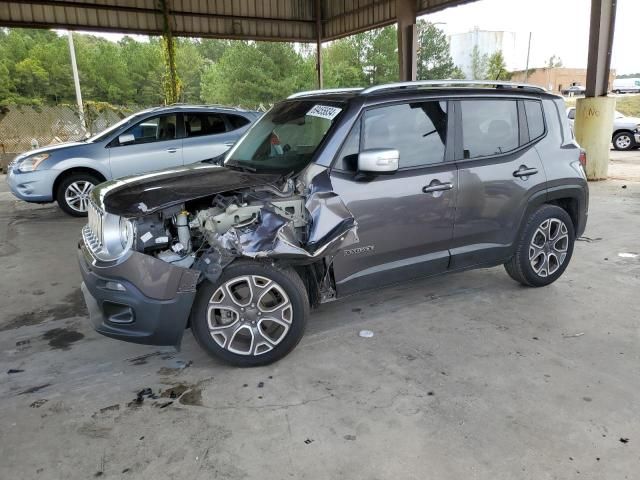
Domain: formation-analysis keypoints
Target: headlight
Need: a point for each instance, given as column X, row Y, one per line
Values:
column 108, row 236
column 126, row 232
column 29, row 164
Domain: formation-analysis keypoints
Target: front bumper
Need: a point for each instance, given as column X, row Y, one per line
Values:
column 636, row 137
column 151, row 304
column 32, row 186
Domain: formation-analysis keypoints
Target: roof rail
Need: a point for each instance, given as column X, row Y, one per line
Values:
column 326, row 90
column 444, row 83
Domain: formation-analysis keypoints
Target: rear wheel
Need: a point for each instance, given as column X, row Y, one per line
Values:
column 545, row 248
column 73, row 193
column 253, row 315
column 623, row 141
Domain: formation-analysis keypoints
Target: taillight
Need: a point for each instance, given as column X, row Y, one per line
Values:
column 583, row 159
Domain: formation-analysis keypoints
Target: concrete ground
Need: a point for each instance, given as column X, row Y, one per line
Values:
column 468, row 376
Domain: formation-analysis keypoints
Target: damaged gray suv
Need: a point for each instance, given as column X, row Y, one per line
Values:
column 332, row 193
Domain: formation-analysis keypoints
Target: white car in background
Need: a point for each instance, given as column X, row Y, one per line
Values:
column 626, row 130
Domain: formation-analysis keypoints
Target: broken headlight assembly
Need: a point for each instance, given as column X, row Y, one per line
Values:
column 108, row 236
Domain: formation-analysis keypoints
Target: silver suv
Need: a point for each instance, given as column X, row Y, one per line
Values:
column 154, row 139
column 329, row 194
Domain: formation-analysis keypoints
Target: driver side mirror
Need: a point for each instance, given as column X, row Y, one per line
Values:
column 380, row 161
column 126, row 138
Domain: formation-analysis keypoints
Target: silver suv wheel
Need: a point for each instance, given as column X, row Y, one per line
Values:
column 549, row 246
column 76, row 195
column 249, row 315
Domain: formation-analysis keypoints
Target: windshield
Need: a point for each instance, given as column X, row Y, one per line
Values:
column 105, row 133
column 285, row 138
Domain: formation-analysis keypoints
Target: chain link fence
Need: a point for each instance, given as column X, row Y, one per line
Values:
column 25, row 127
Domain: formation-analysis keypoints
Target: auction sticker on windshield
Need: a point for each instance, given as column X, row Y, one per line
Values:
column 324, row 111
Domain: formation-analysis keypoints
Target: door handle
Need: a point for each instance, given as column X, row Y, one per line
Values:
column 436, row 186
column 525, row 171
column 172, row 150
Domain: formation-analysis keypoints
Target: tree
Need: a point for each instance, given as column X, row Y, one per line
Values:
column 497, row 68
column 554, row 62
column 479, row 64
column 380, row 52
column 252, row 73
column 434, row 55
column 342, row 65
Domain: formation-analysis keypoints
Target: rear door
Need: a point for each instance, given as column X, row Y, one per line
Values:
column 210, row 134
column 499, row 171
column 405, row 220
column 155, row 145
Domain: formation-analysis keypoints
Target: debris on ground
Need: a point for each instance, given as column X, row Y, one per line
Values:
column 14, row 370
column 141, row 395
column 584, row 238
column 366, row 333
column 39, row 403
column 308, row 441
column 624, row 440
column 260, row 384
column 572, row 335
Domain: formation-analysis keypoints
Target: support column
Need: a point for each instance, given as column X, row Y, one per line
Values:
column 595, row 113
column 319, row 43
column 407, row 39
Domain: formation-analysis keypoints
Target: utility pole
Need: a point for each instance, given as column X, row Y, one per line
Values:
column 526, row 70
column 76, row 79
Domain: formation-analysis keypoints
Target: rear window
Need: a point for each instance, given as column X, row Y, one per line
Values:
column 237, row 121
column 489, row 127
column 535, row 119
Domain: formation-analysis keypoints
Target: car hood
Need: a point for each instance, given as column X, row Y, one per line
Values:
column 49, row 149
column 147, row 193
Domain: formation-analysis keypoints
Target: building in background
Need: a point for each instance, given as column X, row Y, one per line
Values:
column 556, row 79
column 488, row 42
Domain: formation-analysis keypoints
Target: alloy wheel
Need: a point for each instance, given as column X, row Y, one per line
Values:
column 77, row 195
column 249, row 315
column 548, row 247
column 623, row 142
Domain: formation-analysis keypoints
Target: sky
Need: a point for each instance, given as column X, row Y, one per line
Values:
column 558, row 27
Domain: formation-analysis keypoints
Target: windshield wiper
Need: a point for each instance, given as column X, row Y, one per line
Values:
column 242, row 168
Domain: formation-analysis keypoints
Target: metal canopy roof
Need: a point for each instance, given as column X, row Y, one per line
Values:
column 284, row 20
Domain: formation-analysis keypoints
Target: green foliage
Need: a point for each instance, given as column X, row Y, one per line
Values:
column 251, row 73
column 35, row 67
column 554, row 62
column 479, row 64
column 434, row 57
column 497, row 68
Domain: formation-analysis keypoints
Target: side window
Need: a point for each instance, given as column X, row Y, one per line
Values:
column 417, row 130
column 535, row 120
column 198, row 124
column 237, row 121
column 489, row 127
column 153, row 129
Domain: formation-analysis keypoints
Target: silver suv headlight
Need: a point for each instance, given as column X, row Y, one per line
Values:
column 30, row 164
column 108, row 236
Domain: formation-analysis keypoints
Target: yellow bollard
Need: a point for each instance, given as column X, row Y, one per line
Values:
column 593, row 128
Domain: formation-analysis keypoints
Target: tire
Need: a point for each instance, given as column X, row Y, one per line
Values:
column 527, row 265
column 83, row 183
column 623, row 141
column 227, row 326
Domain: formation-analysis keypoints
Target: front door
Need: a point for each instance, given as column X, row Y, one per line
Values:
column 152, row 144
column 405, row 219
column 499, row 171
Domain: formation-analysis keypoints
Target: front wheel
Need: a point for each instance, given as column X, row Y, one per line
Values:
column 73, row 193
column 544, row 249
column 253, row 315
column 623, row 141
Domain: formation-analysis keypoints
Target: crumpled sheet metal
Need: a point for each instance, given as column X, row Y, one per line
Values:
column 332, row 227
